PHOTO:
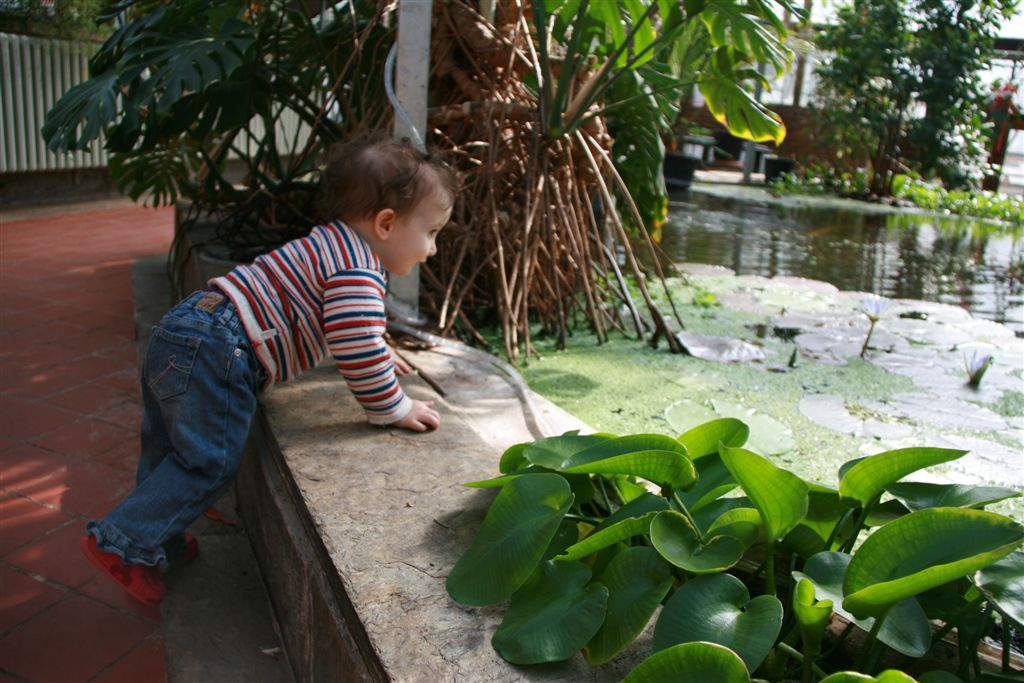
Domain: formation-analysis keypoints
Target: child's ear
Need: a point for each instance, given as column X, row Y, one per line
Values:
column 383, row 223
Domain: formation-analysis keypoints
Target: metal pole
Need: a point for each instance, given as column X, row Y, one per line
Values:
column 412, row 71
column 749, row 145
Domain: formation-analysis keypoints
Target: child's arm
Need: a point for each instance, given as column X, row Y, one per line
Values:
column 354, row 325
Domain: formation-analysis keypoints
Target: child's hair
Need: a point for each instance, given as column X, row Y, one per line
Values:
column 368, row 175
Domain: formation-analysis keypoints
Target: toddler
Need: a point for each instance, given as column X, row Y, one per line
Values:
column 211, row 355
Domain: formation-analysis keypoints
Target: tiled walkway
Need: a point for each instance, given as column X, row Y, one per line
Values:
column 69, row 414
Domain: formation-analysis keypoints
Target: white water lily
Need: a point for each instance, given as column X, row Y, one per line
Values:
column 873, row 307
column 976, row 367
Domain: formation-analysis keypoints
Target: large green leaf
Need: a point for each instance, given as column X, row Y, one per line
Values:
column 919, row 495
column 516, row 531
column 679, row 542
column 780, row 496
column 554, row 450
column 866, row 480
column 906, row 629
column 88, row 106
column 734, row 25
column 610, row 535
column 718, row 609
column 638, row 507
column 691, row 663
column 923, row 550
column 703, row 439
column 713, row 481
column 637, row 580
column 552, row 615
column 811, row 614
column 654, row 457
column 824, row 511
column 737, row 109
column 888, row 676
column 743, row 524
column 1003, row 585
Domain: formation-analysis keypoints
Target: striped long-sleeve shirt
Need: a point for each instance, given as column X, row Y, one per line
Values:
column 316, row 295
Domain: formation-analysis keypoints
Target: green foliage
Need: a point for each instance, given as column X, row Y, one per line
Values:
column 819, row 179
column 710, row 558
column 180, row 86
column 891, row 58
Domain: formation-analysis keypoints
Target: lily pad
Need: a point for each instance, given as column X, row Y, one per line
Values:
column 720, row 349
column 942, row 412
column 831, row 411
column 768, row 436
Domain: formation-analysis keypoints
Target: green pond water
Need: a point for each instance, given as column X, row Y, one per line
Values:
column 888, row 397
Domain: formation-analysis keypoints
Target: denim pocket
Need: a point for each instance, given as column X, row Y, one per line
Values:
column 169, row 362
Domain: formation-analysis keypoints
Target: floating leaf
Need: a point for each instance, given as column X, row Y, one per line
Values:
column 552, row 615
column 518, row 528
column 686, row 415
column 868, row 478
column 674, row 537
column 637, row 580
column 768, row 436
column 924, row 550
column 718, row 609
column 691, row 663
column 780, row 496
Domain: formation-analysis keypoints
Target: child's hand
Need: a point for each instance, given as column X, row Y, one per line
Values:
column 421, row 418
column 401, row 367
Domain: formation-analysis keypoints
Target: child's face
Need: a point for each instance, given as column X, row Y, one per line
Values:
column 412, row 239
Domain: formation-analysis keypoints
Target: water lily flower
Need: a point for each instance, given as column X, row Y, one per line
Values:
column 873, row 307
column 976, row 367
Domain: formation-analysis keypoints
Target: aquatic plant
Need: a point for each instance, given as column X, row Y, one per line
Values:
column 873, row 307
column 590, row 534
column 976, row 367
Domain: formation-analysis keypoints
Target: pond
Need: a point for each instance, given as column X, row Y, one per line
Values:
column 977, row 265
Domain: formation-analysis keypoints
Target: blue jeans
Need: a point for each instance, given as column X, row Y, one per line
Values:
column 200, row 383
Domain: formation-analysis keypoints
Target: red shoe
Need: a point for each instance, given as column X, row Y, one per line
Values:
column 140, row 581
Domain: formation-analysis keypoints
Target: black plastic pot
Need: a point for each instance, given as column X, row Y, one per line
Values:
column 776, row 166
column 729, row 146
column 679, row 170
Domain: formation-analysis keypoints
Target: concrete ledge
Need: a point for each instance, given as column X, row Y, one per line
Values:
column 359, row 526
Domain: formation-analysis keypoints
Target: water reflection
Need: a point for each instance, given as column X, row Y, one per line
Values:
column 965, row 262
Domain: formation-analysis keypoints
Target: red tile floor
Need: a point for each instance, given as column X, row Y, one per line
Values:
column 69, row 414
